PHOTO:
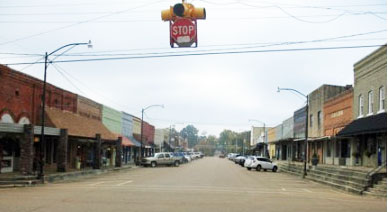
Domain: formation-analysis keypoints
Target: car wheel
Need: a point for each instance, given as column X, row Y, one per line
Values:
column 176, row 163
column 153, row 164
column 258, row 168
column 275, row 168
column 249, row 168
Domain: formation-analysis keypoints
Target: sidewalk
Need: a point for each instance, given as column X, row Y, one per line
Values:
column 53, row 176
column 351, row 168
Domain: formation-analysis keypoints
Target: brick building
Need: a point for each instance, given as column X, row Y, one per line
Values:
column 74, row 136
column 315, row 128
column 338, row 112
column 20, row 103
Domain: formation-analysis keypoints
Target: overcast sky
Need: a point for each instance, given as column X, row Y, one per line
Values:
column 213, row 92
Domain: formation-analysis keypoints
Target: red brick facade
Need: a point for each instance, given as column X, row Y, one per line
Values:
column 338, row 112
column 149, row 133
column 20, row 96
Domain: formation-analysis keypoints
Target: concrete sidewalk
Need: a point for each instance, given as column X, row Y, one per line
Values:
column 16, row 180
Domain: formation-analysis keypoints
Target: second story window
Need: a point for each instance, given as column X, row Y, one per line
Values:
column 311, row 120
column 319, row 119
column 381, row 99
column 370, row 102
column 360, row 105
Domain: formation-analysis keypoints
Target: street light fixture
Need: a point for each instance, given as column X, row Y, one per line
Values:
column 141, row 132
column 306, row 128
column 42, row 137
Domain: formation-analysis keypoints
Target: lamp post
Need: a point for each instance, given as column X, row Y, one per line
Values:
column 264, row 137
column 306, row 127
column 141, row 132
column 42, row 138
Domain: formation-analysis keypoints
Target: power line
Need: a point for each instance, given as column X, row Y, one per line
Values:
column 86, row 86
column 220, row 19
column 208, row 53
column 57, row 68
column 78, row 23
column 251, row 45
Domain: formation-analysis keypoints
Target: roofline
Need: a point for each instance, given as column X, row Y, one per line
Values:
column 368, row 57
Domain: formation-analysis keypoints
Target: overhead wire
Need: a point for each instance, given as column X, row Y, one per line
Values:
column 79, row 22
column 250, row 45
column 209, row 53
column 99, row 93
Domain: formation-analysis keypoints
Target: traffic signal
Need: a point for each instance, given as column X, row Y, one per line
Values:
column 183, row 10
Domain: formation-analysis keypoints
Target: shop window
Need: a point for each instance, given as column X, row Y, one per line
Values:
column 345, row 149
column 337, row 148
column 328, row 149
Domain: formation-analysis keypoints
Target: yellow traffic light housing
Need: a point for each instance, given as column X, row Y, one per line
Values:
column 183, row 10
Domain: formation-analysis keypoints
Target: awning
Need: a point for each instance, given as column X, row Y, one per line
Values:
column 126, row 142
column 134, row 141
column 368, row 125
column 78, row 125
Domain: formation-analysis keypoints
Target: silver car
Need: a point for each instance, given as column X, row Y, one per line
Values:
column 161, row 158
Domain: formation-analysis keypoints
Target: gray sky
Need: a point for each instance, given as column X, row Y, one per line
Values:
column 213, row 92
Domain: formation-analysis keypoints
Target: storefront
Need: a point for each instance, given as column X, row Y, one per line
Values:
column 364, row 141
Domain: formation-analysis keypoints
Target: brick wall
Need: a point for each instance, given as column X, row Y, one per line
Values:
column 338, row 112
column 20, row 96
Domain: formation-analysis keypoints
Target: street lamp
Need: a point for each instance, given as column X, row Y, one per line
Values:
column 264, row 137
column 306, row 129
column 42, row 141
column 141, row 132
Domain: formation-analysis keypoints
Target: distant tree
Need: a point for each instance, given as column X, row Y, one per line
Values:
column 191, row 133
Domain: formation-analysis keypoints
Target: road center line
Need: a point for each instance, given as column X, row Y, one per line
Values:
column 94, row 184
column 120, row 184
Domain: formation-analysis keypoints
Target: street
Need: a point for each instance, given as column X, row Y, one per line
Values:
column 209, row 184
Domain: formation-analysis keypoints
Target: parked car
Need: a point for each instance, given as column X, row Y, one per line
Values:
column 234, row 157
column 192, row 156
column 238, row 158
column 187, row 156
column 248, row 162
column 242, row 161
column 162, row 158
column 180, row 156
column 260, row 163
column 197, row 155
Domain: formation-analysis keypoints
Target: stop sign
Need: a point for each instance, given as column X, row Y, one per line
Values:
column 183, row 31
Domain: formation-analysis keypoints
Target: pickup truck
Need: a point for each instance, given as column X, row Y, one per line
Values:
column 161, row 158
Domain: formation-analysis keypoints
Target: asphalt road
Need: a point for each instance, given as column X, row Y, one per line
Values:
column 209, row 184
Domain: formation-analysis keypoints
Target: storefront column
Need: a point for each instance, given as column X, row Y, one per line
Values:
column 26, row 150
column 62, row 151
column 97, row 153
column 119, row 151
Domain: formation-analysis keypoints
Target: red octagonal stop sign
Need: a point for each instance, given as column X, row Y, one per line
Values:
column 183, row 31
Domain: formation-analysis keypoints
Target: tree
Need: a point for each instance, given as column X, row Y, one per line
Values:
column 191, row 133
